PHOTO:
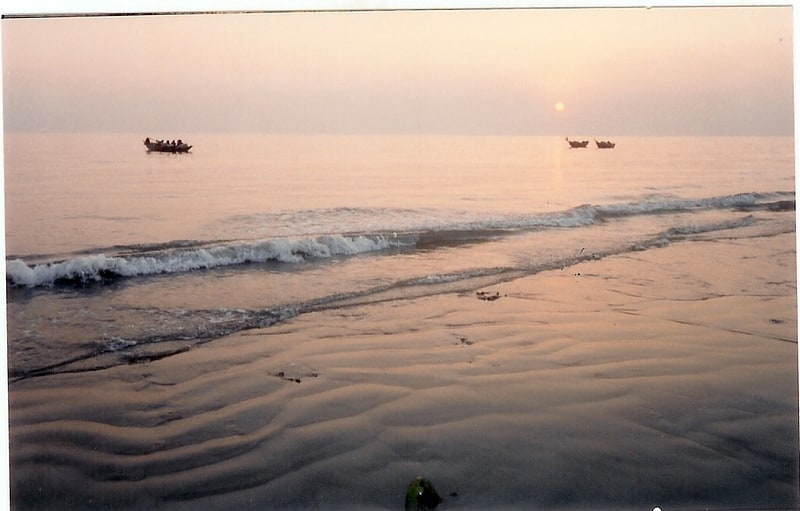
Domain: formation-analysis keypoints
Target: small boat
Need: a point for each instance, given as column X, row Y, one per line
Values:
column 605, row 144
column 577, row 144
column 165, row 146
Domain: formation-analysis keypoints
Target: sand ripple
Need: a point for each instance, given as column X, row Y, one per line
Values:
column 603, row 388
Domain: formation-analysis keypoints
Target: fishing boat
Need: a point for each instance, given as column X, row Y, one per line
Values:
column 577, row 144
column 605, row 144
column 165, row 146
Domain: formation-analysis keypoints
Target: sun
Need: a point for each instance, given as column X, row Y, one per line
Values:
column 560, row 106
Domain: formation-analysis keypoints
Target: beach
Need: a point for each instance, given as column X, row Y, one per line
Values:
column 657, row 378
column 522, row 259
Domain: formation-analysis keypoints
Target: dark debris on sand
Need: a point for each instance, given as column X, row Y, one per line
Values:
column 486, row 296
column 294, row 379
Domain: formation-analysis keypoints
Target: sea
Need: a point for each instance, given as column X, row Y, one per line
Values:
column 111, row 249
column 117, row 256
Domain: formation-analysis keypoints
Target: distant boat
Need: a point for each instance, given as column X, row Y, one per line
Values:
column 577, row 144
column 165, row 146
column 605, row 144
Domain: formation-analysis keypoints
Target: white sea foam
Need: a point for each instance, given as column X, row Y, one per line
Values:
column 660, row 205
column 184, row 257
column 89, row 268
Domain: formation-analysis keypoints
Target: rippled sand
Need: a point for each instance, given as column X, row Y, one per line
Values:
column 662, row 378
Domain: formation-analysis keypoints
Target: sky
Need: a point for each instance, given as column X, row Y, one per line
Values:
column 569, row 71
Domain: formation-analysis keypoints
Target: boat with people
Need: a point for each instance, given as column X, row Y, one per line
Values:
column 166, row 146
column 577, row 144
column 605, row 144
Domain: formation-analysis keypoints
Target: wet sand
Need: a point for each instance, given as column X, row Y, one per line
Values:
column 660, row 378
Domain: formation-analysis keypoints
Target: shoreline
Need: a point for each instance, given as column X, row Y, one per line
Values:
column 666, row 378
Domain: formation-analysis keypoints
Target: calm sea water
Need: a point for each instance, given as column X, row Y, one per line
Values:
column 116, row 256
column 122, row 248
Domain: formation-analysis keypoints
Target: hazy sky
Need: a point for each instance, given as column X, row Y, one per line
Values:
column 616, row 71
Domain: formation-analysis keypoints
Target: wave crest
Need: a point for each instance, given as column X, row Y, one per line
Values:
column 87, row 269
column 185, row 256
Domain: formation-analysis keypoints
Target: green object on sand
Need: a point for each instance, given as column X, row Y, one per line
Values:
column 421, row 496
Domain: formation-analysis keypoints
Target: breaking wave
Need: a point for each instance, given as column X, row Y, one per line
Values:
column 185, row 256
column 86, row 269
